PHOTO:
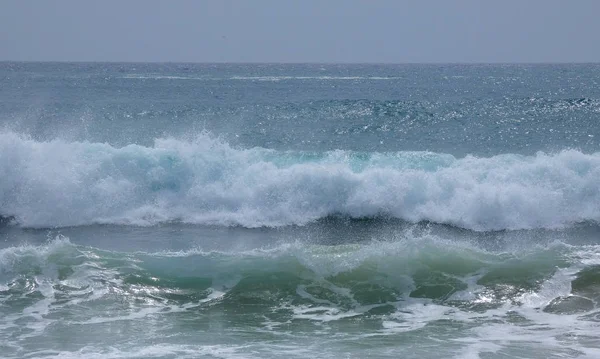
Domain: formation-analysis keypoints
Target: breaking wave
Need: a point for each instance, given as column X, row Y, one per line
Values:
column 207, row 181
column 312, row 282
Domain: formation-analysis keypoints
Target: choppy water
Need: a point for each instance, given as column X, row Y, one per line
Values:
column 241, row 211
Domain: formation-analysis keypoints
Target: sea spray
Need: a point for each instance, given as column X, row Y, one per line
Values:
column 206, row 181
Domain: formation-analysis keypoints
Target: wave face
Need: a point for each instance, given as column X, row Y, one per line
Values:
column 373, row 274
column 206, row 181
column 344, row 276
column 538, row 299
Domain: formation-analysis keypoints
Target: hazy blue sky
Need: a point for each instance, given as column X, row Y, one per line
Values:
column 301, row 31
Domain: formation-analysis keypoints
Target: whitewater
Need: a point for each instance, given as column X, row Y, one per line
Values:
column 205, row 181
column 261, row 211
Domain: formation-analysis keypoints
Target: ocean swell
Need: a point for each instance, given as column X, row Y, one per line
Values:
column 206, row 181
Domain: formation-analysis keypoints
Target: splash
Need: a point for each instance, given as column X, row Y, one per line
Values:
column 206, row 181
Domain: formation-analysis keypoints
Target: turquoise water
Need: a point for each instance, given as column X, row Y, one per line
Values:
column 242, row 211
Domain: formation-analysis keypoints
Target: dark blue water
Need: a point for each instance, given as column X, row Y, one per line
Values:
column 202, row 210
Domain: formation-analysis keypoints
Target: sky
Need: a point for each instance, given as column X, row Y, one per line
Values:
column 325, row 31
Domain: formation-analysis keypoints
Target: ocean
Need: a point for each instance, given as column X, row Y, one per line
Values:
column 299, row 211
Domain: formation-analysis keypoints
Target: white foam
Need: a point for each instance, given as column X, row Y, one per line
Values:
column 205, row 181
column 333, row 78
column 416, row 314
column 161, row 77
column 273, row 78
column 152, row 351
column 559, row 285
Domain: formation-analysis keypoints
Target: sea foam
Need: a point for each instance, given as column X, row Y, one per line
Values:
column 206, row 181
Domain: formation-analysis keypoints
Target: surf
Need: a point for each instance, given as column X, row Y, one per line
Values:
column 397, row 285
column 203, row 180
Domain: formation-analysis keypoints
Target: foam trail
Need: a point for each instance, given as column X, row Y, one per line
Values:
column 205, row 181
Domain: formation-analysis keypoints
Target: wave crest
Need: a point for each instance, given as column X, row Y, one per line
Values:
column 206, row 181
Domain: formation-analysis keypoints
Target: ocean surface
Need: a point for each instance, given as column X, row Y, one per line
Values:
column 299, row 211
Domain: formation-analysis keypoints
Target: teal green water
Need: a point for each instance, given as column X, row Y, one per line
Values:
column 413, row 295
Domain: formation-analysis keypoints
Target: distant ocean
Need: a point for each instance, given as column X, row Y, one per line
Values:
column 299, row 211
